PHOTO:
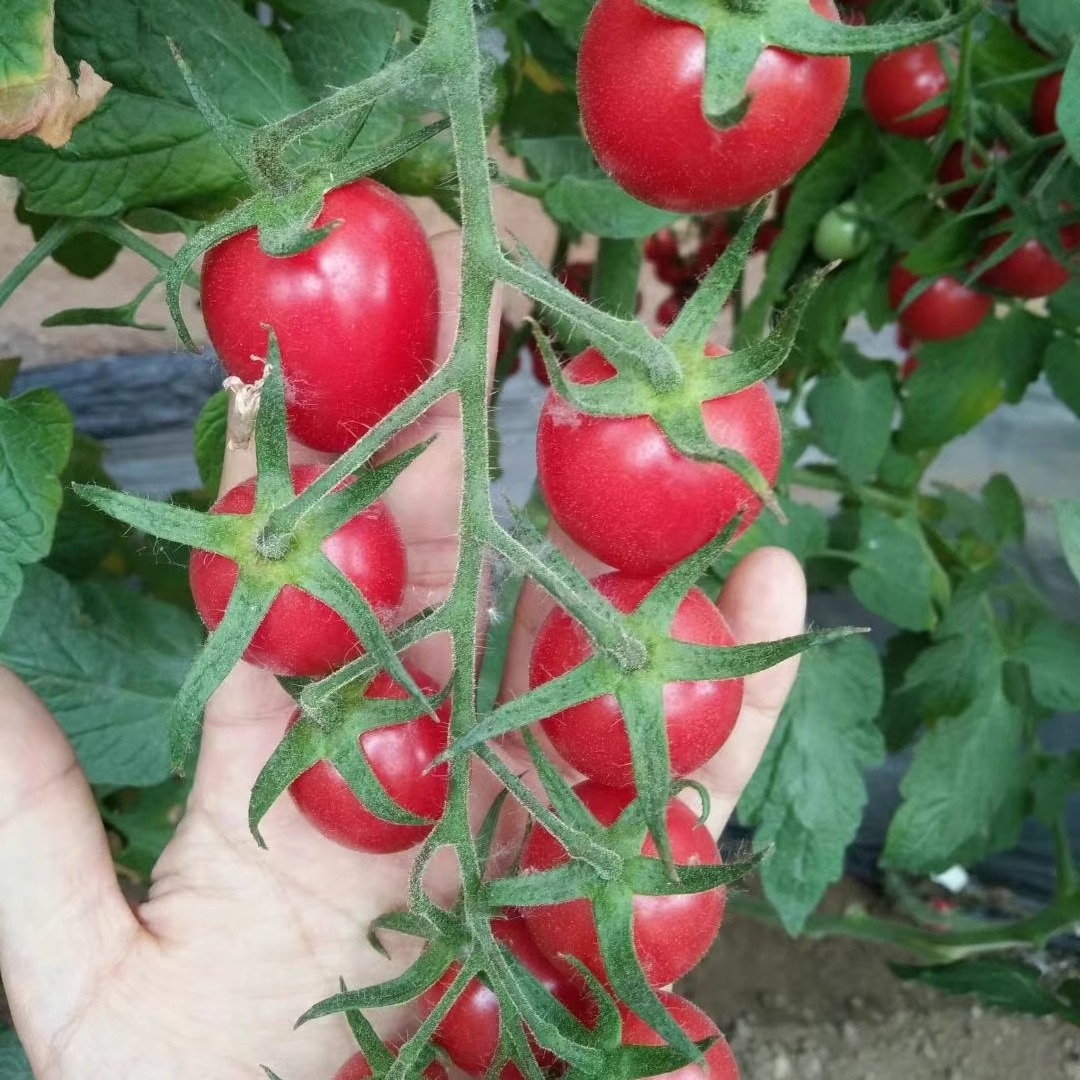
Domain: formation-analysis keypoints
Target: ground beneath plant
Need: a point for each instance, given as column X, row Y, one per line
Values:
column 832, row 1010
column 793, row 1009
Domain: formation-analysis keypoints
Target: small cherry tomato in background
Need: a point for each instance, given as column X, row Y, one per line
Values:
column 662, row 247
column 947, row 309
column 699, row 716
column 719, row 1062
column 640, row 80
column 356, row 315
column 713, row 244
column 901, row 82
column 841, row 233
column 668, row 310
column 671, row 933
column 958, row 166
column 300, row 635
column 767, row 235
column 619, row 488
column 400, row 756
column 1029, row 272
column 1044, row 104
column 469, row 1033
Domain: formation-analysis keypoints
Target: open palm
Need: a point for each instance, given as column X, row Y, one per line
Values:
column 207, row 977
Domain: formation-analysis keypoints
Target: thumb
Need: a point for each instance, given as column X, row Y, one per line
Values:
column 63, row 919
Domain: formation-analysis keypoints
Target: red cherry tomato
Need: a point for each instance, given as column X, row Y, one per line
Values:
column 1044, row 104
column 640, row 80
column 662, row 247
column 671, row 933
column 901, row 82
column 300, row 635
column 947, row 309
column 719, row 1062
column 469, row 1032
column 713, row 245
column 767, row 235
column 1031, row 270
column 577, row 277
column 400, row 756
column 357, row 1068
column 621, row 490
column 955, row 168
column 669, row 309
column 356, row 316
column 592, row 737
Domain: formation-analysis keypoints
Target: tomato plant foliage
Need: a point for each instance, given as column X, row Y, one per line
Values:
column 941, row 166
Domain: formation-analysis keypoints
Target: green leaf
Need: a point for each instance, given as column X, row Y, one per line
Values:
column 897, row 576
column 852, row 415
column 557, row 155
column 210, row 429
column 1013, row 985
column 808, row 795
column 108, row 662
column 1068, row 523
column 1005, row 508
column 13, row 1063
column 148, row 144
column 1051, row 650
column 1062, row 364
column 1024, row 341
column 601, row 207
column 9, row 370
column 86, row 255
column 1051, row 20
column 1068, row 111
column 805, row 534
column 36, row 433
column 145, row 820
column 340, row 44
column 964, row 771
column 957, row 384
column 567, row 16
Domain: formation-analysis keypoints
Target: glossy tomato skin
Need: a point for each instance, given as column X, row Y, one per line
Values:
column 902, row 82
column 948, row 308
column 400, row 755
column 356, row 315
column 301, row 636
column 1029, row 272
column 640, row 81
column 592, row 737
column 470, row 1031
column 621, row 490
column 357, row 1068
column 719, row 1062
column 671, row 933
column 1044, row 104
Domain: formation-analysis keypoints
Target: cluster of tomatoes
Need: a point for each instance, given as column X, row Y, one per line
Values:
column 906, row 94
column 593, row 490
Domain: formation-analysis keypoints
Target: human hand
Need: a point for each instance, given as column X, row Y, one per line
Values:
column 207, row 977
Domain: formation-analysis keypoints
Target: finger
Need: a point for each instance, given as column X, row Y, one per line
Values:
column 764, row 599
column 64, row 922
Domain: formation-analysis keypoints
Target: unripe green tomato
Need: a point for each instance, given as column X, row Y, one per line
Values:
column 841, row 234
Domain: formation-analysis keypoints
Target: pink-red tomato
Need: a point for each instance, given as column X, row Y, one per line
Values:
column 901, row 82
column 947, row 309
column 668, row 310
column 356, row 315
column 662, row 247
column 1031, row 270
column 400, row 756
column 619, row 488
column 592, row 737
column 671, row 933
column 357, row 1068
column 640, row 82
column 1044, row 104
column 719, row 1062
column 957, row 166
column 301, row 636
column 470, row 1031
